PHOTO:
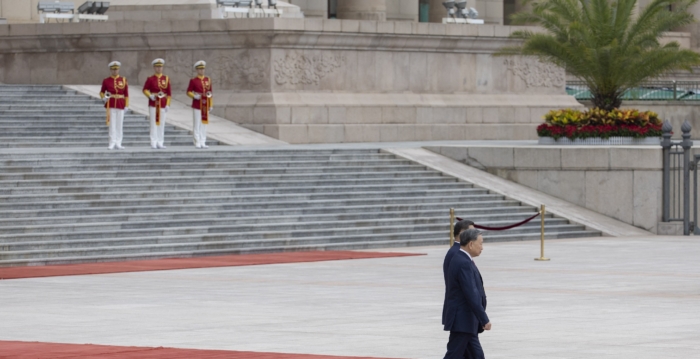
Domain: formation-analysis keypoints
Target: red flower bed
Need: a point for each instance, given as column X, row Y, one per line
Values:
column 602, row 131
column 599, row 123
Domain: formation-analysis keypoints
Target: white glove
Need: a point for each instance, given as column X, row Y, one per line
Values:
column 167, row 108
column 197, row 96
column 152, row 97
column 104, row 100
column 126, row 109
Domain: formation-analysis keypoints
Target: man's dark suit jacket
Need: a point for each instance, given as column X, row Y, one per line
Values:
column 446, row 265
column 465, row 308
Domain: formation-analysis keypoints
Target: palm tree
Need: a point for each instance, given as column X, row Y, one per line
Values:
column 604, row 43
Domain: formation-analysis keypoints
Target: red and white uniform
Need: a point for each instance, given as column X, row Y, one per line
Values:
column 118, row 88
column 201, row 106
column 158, row 107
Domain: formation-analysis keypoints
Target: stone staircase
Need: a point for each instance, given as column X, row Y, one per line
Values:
column 50, row 116
column 71, row 205
column 65, row 207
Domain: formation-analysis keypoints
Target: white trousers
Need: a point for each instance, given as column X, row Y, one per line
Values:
column 116, row 127
column 157, row 132
column 199, row 130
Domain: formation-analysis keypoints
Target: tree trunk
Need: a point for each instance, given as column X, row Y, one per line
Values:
column 607, row 101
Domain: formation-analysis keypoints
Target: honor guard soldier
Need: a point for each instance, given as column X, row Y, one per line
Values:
column 200, row 91
column 157, row 89
column 115, row 94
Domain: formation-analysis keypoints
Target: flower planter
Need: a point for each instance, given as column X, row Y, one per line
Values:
column 597, row 141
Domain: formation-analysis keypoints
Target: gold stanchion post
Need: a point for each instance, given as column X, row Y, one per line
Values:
column 452, row 227
column 542, row 258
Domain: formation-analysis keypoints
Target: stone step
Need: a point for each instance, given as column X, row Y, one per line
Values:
column 19, row 175
column 288, row 202
column 93, row 231
column 87, row 124
column 213, row 209
column 55, row 112
column 96, row 137
column 253, row 181
column 36, row 218
column 135, row 136
column 97, row 144
column 223, row 157
column 370, row 242
column 67, row 118
column 43, row 97
column 183, row 156
column 244, row 167
column 128, row 241
column 233, row 182
column 222, row 151
column 31, row 88
column 68, row 102
column 42, row 107
column 241, row 196
column 142, row 189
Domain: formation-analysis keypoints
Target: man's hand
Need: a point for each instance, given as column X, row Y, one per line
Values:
column 197, row 96
column 152, row 97
column 167, row 108
column 104, row 100
column 487, row 326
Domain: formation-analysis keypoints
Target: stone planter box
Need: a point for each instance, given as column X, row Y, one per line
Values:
column 597, row 141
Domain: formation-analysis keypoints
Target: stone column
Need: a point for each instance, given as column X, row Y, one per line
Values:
column 362, row 9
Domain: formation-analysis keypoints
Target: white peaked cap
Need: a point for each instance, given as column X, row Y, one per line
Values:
column 201, row 64
column 158, row 62
column 115, row 64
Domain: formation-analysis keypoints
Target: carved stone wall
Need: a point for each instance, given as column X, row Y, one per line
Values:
column 536, row 74
column 296, row 68
column 244, row 70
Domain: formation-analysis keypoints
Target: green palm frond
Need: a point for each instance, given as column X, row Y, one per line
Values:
column 606, row 43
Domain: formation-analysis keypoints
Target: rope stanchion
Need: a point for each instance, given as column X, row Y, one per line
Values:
column 542, row 258
column 506, row 227
column 540, row 214
column 452, row 227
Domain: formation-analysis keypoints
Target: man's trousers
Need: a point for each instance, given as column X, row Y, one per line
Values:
column 199, row 130
column 116, row 127
column 464, row 345
column 157, row 132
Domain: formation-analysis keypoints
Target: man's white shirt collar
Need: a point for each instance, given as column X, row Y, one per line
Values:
column 465, row 252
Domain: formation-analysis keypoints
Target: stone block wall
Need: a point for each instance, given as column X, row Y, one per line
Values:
column 675, row 111
column 622, row 182
column 312, row 80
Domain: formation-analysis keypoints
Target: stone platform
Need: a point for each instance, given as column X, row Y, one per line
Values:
column 312, row 80
column 608, row 298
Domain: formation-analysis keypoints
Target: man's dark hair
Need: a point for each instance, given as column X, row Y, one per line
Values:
column 470, row 235
column 462, row 225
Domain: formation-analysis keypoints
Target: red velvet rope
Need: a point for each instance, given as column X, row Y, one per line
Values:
column 503, row 228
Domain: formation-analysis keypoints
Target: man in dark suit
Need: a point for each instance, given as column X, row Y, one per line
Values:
column 460, row 227
column 465, row 308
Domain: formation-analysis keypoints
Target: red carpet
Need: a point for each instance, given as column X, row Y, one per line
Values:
column 36, row 350
column 186, row 263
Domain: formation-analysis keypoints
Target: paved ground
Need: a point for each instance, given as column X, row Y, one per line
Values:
column 604, row 298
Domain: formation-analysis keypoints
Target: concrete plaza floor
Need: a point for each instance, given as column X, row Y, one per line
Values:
column 604, row 298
